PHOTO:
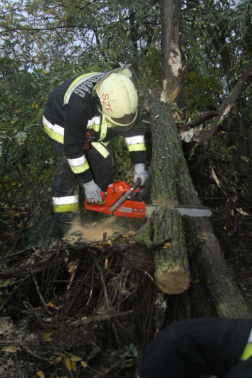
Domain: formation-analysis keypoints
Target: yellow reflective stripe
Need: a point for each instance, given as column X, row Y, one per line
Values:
column 66, row 208
column 101, row 149
column 73, row 84
column 104, row 129
column 247, row 353
column 52, row 134
column 105, row 143
column 80, row 168
column 136, row 147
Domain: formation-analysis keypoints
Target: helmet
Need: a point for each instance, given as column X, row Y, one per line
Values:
column 119, row 99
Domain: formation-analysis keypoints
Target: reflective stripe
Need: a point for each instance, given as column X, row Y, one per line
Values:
column 76, row 162
column 94, row 123
column 77, row 82
column 78, row 165
column 55, row 132
column 101, row 149
column 105, row 143
column 66, row 208
column 104, row 129
column 81, row 168
column 66, row 200
column 247, row 352
column 136, row 147
column 135, row 139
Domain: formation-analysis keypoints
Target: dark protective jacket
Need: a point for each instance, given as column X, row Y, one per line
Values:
column 193, row 347
column 71, row 109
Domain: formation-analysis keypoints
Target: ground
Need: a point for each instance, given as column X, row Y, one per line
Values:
column 86, row 308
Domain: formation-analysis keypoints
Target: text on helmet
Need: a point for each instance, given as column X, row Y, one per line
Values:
column 106, row 105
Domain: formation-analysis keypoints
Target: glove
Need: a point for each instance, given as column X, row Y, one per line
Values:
column 92, row 192
column 140, row 173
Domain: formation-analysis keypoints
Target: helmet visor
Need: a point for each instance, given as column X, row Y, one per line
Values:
column 124, row 123
column 126, row 120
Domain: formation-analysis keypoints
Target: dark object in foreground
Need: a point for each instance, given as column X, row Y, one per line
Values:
column 194, row 347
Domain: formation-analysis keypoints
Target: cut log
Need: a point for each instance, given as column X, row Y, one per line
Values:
column 171, row 262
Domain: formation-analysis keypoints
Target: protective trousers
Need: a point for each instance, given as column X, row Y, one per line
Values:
column 65, row 184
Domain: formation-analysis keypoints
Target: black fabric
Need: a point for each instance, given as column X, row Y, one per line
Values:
column 193, row 347
column 243, row 369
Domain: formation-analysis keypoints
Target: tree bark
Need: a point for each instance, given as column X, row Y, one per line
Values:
column 169, row 171
column 225, row 294
column 172, row 53
column 172, row 185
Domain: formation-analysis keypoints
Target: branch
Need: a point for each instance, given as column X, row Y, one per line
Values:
column 202, row 118
column 101, row 318
column 244, row 81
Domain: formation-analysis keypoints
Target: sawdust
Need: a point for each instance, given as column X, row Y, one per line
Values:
column 110, row 225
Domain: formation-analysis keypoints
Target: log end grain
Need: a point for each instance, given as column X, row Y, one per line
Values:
column 175, row 282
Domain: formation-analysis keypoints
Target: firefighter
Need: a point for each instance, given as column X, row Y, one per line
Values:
column 81, row 117
column 193, row 347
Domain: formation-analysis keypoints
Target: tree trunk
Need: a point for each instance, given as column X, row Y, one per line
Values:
column 172, row 53
column 228, row 300
column 172, row 185
column 169, row 171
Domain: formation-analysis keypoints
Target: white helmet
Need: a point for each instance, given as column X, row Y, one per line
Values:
column 119, row 99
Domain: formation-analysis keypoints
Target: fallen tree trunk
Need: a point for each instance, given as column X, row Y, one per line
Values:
column 172, row 185
column 224, row 292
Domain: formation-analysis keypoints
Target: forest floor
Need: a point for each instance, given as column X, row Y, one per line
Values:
column 86, row 308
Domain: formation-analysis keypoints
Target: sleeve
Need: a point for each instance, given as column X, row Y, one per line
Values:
column 135, row 141
column 77, row 113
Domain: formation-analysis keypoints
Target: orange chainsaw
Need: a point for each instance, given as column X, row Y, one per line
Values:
column 123, row 200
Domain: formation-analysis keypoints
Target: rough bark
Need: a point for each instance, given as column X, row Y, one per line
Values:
column 169, row 170
column 172, row 185
column 224, row 292
column 172, row 52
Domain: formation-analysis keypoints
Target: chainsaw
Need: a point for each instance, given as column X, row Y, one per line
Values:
column 123, row 200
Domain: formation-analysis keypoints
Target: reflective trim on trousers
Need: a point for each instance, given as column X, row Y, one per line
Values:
column 65, row 204
column 66, row 208
column 136, row 147
column 101, row 149
column 66, row 200
column 135, row 139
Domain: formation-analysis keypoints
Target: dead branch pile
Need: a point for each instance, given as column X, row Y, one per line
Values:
column 79, row 309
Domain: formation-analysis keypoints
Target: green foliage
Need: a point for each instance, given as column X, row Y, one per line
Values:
column 129, row 357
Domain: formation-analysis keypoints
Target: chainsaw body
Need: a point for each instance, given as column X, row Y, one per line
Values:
column 128, row 208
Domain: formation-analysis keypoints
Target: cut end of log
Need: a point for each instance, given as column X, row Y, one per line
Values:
column 173, row 282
